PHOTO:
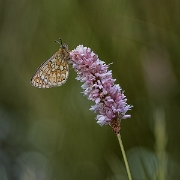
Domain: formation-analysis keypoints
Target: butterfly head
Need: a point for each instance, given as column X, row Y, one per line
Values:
column 62, row 45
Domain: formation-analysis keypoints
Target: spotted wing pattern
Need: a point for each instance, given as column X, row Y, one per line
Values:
column 53, row 72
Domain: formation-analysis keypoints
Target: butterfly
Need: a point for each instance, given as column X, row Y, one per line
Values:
column 53, row 72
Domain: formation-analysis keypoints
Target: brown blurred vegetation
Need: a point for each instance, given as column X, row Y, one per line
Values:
column 50, row 133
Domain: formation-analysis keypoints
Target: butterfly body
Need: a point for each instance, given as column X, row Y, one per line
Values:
column 53, row 72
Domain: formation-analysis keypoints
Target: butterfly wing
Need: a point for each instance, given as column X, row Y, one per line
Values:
column 51, row 73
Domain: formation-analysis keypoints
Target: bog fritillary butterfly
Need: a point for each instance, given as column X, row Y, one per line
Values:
column 53, row 72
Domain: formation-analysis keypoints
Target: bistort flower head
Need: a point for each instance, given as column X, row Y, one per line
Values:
column 110, row 101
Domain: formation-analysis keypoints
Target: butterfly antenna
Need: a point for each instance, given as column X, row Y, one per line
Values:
column 59, row 42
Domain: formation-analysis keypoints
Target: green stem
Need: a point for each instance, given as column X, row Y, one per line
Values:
column 124, row 156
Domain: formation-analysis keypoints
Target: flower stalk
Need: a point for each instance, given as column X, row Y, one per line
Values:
column 124, row 156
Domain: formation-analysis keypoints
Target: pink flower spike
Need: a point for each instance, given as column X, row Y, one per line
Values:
column 110, row 101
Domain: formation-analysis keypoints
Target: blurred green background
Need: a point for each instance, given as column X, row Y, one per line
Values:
column 50, row 133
